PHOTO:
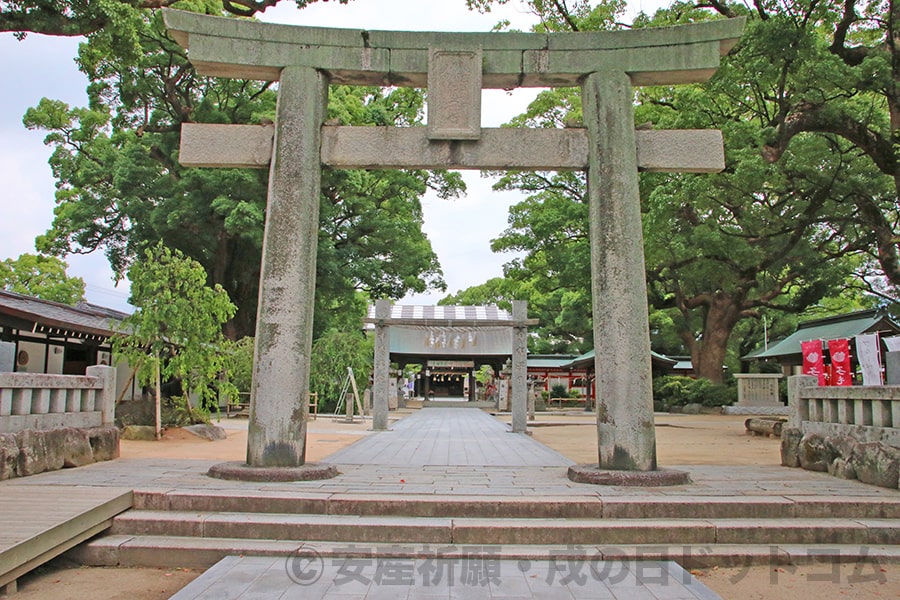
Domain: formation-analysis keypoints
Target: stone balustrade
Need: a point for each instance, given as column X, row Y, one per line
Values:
column 866, row 413
column 40, row 402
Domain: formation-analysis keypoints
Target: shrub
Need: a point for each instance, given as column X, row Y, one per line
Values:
column 677, row 390
column 559, row 391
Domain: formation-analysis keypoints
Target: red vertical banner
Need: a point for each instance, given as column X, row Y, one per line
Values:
column 840, row 362
column 812, row 359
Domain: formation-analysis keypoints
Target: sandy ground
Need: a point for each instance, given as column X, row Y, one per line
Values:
column 325, row 435
column 681, row 439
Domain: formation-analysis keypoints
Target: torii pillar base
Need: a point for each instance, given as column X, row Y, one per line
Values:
column 597, row 475
column 239, row 471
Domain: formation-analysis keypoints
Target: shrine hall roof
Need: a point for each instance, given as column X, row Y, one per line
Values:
column 830, row 328
column 53, row 318
column 446, row 313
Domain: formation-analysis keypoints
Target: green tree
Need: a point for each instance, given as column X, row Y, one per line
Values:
column 121, row 189
column 238, row 367
column 550, row 227
column 42, row 277
column 761, row 235
column 332, row 354
column 500, row 291
column 176, row 331
column 832, row 69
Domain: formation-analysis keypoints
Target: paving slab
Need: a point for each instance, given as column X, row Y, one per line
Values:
column 310, row 575
column 401, row 462
column 805, row 488
column 449, row 436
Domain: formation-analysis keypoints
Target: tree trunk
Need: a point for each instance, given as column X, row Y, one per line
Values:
column 721, row 317
column 886, row 239
column 158, row 401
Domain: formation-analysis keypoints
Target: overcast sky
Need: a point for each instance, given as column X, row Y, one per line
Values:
column 40, row 66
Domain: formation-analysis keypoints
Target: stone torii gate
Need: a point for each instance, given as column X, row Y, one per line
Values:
column 454, row 67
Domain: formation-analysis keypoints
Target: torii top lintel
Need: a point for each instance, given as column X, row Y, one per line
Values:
column 237, row 48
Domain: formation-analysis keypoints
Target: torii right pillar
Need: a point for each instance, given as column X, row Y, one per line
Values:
column 625, row 428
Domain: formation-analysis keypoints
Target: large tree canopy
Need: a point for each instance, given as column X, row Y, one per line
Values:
column 774, row 235
column 121, row 189
column 833, row 69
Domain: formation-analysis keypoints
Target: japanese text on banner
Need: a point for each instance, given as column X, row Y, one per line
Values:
column 840, row 362
column 812, row 359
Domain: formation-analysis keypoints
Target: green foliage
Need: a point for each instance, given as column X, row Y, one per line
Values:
column 499, row 291
column 108, row 17
column 178, row 412
column 332, row 354
column 177, row 327
column 677, row 390
column 42, row 277
column 764, row 237
column 238, row 364
column 484, row 375
column 121, row 189
column 550, row 227
column 559, row 391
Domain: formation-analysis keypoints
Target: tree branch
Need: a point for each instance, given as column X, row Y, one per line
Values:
column 886, row 240
column 851, row 56
column 247, row 8
column 59, row 18
column 814, row 118
column 564, row 13
column 720, row 7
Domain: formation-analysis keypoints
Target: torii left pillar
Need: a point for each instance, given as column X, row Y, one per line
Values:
column 276, row 435
column 279, row 403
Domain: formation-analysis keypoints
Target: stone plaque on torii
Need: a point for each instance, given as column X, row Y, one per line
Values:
column 455, row 67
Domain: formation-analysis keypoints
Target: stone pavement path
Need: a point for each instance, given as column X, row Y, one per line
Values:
column 424, row 455
column 310, row 576
column 449, row 437
column 461, row 454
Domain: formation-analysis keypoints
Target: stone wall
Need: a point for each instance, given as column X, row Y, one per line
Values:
column 49, row 422
column 850, row 432
column 33, row 451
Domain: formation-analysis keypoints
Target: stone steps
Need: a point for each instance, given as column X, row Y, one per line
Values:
column 202, row 553
column 170, row 529
column 518, row 531
column 536, row 507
